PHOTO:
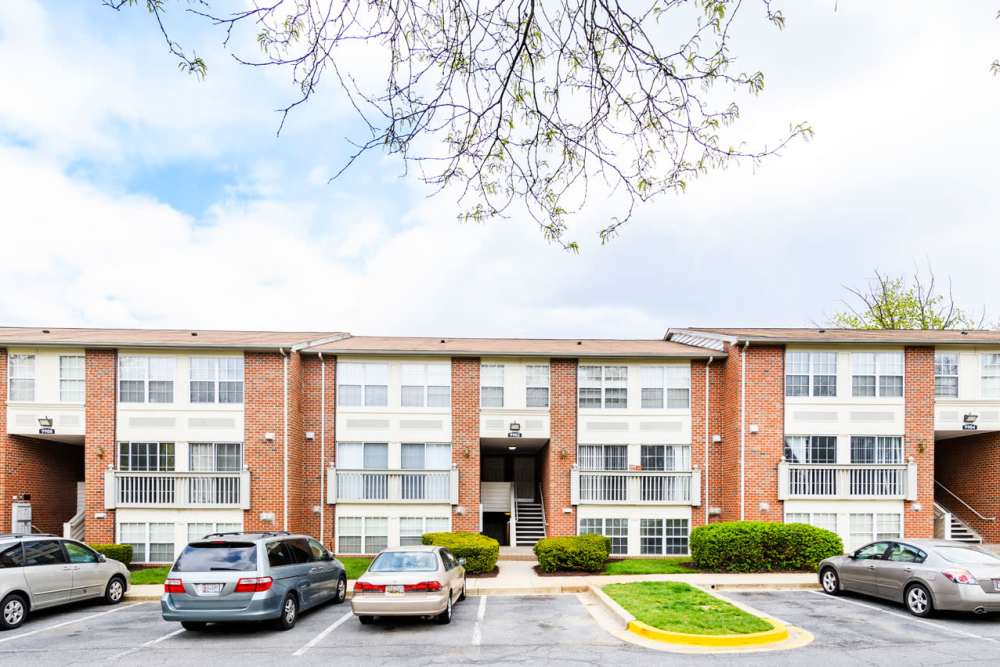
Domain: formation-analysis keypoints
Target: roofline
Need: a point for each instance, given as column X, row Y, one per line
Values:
column 784, row 340
column 694, row 354
column 293, row 345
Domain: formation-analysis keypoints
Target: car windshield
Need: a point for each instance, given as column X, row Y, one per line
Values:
column 217, row 556
column 405, row 561
column 963, row 555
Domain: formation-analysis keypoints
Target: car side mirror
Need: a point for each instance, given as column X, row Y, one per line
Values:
column 101, row 558
column 852, row 556
column 328, row 556
column 461, row 561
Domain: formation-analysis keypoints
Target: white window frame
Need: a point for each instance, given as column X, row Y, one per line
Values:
column 603, row 529
column 676, row 458
column 604, row 385
column 878, row 371
column 883, row 444
column 425, row 377
column 363, row 444
column 538, row 381
column 989, row 375
column 159, row 370
column 72, row 386
column 158, row 457
column 497, row 372
column 874, row 535
column 22, row 373
column 665, row 536
column 945, row 368
column 604, row 456
column 213, row 527
column 147, row 542
column 423, row 527
column 673, row 383
column 192, row 446
column 438, row 445
column 810, row 519
column 367, row 374
column 224, row 372
column 812, row 370
column 808, row 449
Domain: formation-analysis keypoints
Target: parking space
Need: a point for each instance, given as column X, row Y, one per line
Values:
column 492, row 630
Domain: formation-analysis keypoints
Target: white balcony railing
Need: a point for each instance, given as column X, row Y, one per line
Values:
column 177, row 489
column 392, row 486
column 847, row 481
column 635, row 487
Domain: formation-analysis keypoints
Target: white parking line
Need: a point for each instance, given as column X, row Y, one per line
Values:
column 71, row 622
column 907, row 617
column 477, row 630
column 151, row 642
column 318, row 638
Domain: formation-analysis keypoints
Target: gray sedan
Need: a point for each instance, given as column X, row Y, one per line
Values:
column 925, row 575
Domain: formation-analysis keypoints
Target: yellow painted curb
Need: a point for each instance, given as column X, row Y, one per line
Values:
column 778, row 633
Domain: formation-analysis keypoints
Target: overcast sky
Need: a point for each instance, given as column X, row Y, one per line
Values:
column 135, row 195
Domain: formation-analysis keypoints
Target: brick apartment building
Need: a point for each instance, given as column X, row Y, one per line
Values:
column 155, row 437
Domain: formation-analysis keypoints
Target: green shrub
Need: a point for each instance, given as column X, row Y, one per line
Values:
column 480, row 552
column 119, row 552
column 582, row 552
column 762, row 546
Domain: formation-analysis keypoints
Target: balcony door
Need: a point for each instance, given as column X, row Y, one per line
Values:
column 524, row 477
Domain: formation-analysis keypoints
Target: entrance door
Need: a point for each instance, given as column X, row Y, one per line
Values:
column 524, row 477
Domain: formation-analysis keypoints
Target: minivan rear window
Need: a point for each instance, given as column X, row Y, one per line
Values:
column 217, row 556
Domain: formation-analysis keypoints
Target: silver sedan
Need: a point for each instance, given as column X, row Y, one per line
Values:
column 925, row 575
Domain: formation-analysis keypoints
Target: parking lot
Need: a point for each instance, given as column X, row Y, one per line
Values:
column 549, row 629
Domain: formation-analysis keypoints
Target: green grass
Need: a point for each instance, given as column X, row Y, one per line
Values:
column 355, row 565
column 679, row 607
column 649, row 566
column 152, row 575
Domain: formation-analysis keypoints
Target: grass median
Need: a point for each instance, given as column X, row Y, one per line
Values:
column 149, row 576
column 355, row 566
column 678, row 607
column 649, row 566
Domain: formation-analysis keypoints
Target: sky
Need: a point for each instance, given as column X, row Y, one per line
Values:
column 134, row 195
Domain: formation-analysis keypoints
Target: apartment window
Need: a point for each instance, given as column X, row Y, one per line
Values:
column 134, row 535
column 360, row 384
column 867, row 528
column 616, row 529
column 991, row 375
column 216, row 380
column 146, row 379
column 376, row 534
column 426, row 385
column 71, row 379
column 146, row 456
column 426, row 456
column 437, row 525
column 215, row 456
column 826, row 521
column 603, row 386
column 810, row 373
column 22, row 377
column 946, row 374
column 876, row 449
column 491, row 385
column 665, row 458
column 363, row 455
column 811, row 449
column 665, row 386
column 151, row 543
column 412, row 529
column 349, row 535
column 888, row 526
column 604, row 457
column 197, row 531
column 877, row 374
column 663, row 536
column 537, row 385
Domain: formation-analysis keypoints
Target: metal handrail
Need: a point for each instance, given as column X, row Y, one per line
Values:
column 512, row 538
column 967, row 505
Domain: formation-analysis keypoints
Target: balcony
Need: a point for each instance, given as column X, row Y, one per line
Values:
column 797, row 481
column 201, row 490
column 628, row 487
column 392, row 486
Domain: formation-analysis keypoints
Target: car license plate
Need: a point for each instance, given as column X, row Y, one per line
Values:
column 208, row 589
column 394, row 590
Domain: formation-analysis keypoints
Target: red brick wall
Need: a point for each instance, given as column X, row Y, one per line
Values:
column 919, row 437
column 765, row 406
column 99, row 445
column 560, row 455
column 727, row 488
column 970, row 468
column 465, row 440
column 48, row 471
column 299, row 507
column 313, row 489
column 709, row 480
column 5, row 493
column 263, row 404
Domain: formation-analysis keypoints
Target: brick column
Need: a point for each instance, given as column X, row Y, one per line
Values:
column 313, row 491
column 726, row 479
column 263, row 406
column 919, row 438
column 465, row 440
column 99, row 441
column 711, row 478
column 560, row 455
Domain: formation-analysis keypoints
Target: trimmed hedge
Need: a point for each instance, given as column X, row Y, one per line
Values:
column 119, row 552
column 762, row 546
column 582, row 552
column 480, row 552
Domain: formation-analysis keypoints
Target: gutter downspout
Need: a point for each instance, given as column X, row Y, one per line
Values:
column 743, row 430
column 322, row 447
column 705, row 481
column 284, row 463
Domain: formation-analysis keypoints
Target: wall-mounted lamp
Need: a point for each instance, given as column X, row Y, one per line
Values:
column 969, row 418
column 514, row 426
column 511, row 447
column 46, row 422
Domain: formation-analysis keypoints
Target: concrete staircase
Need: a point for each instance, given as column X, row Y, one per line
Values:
column 957, row 529
column 530, row 524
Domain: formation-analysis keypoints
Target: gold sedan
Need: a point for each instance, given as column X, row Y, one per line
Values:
column 410, row 581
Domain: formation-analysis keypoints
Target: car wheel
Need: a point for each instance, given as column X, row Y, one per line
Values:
column 13, row 611
column 444, row 618
column 115, row 590
column 194, row 626
column 341, row 590
column 918, row 601
column 289, row 612
column 366, row 620
column 830, row 581
column 462, row 595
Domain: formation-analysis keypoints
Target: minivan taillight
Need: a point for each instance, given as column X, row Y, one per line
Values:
column 423, row 587
column 173, row 586
column 364, row 587
column 253, row 584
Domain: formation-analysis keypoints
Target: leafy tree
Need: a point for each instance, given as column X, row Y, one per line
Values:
column 899, row 303
column 518, row 102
